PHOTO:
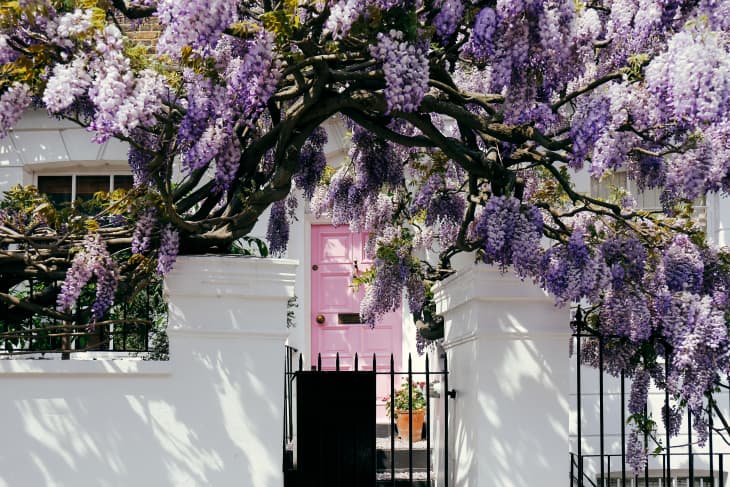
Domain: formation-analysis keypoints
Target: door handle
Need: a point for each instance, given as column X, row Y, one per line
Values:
column 320, row 319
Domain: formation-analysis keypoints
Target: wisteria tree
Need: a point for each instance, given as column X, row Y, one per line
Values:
column 467, row 119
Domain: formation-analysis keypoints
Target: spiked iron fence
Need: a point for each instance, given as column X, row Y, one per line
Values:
column 136, row 326
column 598, row 457
column 294, row 368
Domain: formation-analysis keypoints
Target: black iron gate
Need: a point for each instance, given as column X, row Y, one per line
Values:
column 599, row 458
column 336, row 429
column 331, row 438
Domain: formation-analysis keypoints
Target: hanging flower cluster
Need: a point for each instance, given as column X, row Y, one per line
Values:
column 93, row 260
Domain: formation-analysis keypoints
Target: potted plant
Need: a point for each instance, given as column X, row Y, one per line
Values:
column 405, row 415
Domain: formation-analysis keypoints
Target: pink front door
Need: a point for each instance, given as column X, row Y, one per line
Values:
column 337, row 254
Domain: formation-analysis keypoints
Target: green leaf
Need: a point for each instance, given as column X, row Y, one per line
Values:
column 91, row 225
column 263, row 249
column 245, row 28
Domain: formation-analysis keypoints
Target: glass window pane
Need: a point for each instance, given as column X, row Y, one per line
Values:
column 607, row 185
column 86, row 186
column 57, row 188
column 123, row 182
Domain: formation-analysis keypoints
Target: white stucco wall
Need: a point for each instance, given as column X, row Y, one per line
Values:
column 507, row 347
column 212, row 416
column 40, row 144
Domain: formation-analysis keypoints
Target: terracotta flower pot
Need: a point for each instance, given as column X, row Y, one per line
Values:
column 402, row 420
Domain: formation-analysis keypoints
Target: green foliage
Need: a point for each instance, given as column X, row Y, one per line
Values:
column 250, row 246
column 23, row 207
column 283, row 21
column 401, row 399
column 135, row 324
column 635, row 69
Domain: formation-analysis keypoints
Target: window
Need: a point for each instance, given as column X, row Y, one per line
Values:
column 65, row 189
column 649, row 199
column 658, row 481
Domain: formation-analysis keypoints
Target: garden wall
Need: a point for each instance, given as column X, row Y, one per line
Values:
column 212, row 416
column 507, row 347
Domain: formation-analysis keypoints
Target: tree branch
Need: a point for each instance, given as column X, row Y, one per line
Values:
column 134, row 11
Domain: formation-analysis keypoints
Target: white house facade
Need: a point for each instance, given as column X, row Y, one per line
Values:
column 513, row 420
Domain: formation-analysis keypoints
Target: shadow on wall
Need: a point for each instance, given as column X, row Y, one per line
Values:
column 210, row 423
column 510, row 418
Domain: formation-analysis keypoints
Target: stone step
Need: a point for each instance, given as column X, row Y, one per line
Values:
column 382, row 429
column 384, row 456
column 402, row 479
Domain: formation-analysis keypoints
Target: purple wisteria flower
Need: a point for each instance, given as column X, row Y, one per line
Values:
column 142, row 236
column 169, row 247
column 406, row 70
column 511, row 235
column 92, row 260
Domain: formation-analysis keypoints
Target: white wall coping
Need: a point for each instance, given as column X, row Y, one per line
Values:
column 108, row 368
column 510, row 335
column 218, row 333
column 231, row 276
column 471, row 283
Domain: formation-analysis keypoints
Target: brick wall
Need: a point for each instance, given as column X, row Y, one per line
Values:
column 145, row 32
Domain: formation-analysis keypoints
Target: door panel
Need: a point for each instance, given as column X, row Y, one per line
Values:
column 338, row 254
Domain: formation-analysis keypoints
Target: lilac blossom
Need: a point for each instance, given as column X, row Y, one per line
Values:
column 277, row 233
column 12, row 104
column 683, row 266
column 169, row 247
column 93, row 260
column 142, row 236
column 636, row 453
column 448, row 18
column 198, row 24
column 639, row 391
column 68, row 82
column 406, row 71
column 312, row 162
column 511, row 235
column 342, row 15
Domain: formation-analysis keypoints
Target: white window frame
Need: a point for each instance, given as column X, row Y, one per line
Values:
column 620, row 179
column 91, row 171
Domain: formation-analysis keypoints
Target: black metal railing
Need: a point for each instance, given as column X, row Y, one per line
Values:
column 295, row 364
column 135, row 326
column 659, row 476
column 292, row 356
column 606, row 468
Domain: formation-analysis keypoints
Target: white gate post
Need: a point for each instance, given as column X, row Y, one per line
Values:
column 227, row 332
column 507, row 346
